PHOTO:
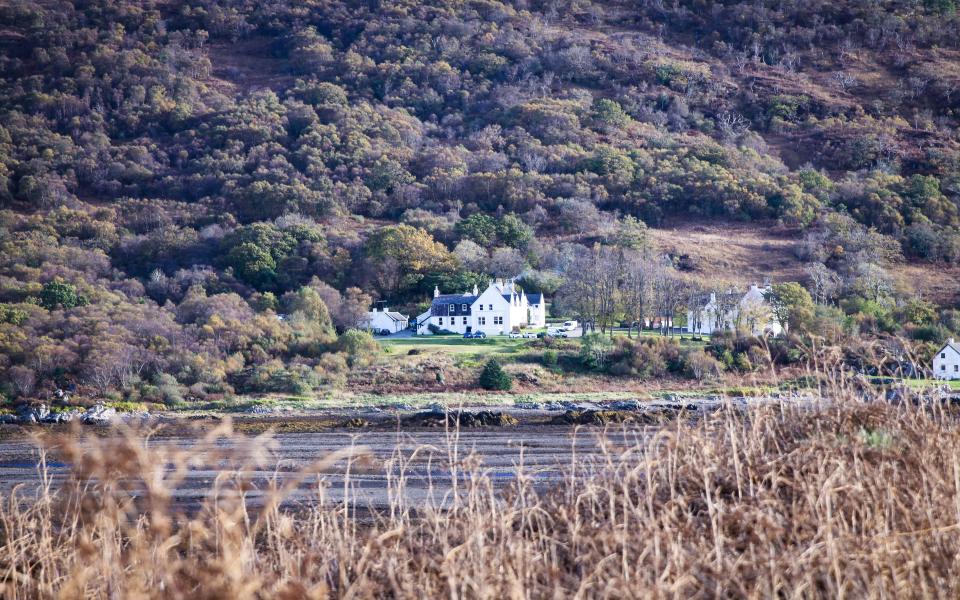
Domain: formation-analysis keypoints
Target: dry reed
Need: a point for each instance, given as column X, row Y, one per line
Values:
column 846, row 499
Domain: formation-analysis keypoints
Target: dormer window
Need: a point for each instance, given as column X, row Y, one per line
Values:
column 463, row 307
column 452, row 308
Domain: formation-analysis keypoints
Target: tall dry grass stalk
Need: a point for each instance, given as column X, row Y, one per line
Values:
column 842, row 500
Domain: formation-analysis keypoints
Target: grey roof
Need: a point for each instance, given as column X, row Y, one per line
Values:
column 699, row 301
column 454, row 299
column 397, row 316
column 534, row 298
column 953, row 346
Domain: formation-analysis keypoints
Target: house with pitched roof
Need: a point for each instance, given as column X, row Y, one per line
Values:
column 733, row 311
column 383, row 320
column 946, row 362
column 501, row 308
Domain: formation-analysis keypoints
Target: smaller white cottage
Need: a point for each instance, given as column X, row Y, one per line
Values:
column 946, row 362
column 381, row 319
column 733, row 311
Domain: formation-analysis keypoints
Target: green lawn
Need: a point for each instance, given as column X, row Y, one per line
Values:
column 454, row 344
column 499, row 344
column 925, row 383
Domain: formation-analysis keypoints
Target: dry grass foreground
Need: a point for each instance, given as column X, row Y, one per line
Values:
column 845, row 500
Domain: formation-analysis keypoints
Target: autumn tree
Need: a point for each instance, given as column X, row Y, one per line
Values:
column 792, row 305
column 400, row 256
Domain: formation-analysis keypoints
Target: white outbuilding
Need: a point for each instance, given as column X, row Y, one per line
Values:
column 381, row 319
column 946, row 362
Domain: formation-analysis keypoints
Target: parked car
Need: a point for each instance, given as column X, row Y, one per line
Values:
column 384, row 332
column 570, row 325
column 530, row 335
column 557, row 332
column 475, row 335
column 515, row 335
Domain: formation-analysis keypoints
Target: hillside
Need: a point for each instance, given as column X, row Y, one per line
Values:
column 175, row 174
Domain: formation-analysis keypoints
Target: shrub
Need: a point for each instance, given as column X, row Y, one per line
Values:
column 494, row 377
column 701, row 366
column 594, row 349
column 550, row 358
column 646, row 357
column 359, row 346
column 58, row 294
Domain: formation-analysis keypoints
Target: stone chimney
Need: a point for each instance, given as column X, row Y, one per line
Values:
column 476, row 292
column 436, row 291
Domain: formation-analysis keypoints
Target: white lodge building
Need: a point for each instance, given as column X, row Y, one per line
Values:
column 500, row 309
column 946, row 362
column 733, row 311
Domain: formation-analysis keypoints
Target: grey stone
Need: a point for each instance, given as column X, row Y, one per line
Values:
column 98, row 415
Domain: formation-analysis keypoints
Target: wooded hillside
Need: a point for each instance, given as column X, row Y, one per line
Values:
column 174, row 174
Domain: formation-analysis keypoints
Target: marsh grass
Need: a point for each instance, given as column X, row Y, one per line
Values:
column 839, row 499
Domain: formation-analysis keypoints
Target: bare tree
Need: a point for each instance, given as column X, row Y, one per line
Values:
column 639, row 271
column 23, row 379
column 844, row 80
column 592, row 288
column 826, row 282
column 669, row 296
column 731, row 124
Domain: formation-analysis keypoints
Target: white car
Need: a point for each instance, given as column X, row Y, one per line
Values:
column 556, row 332
column 515, row 335
column 530, row 335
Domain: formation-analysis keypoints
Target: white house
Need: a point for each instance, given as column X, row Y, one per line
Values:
column 501, row 308
column 731, row 310
column 946, row 362
column 382, row 318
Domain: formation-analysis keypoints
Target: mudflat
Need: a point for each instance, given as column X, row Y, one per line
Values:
column 421, row 463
